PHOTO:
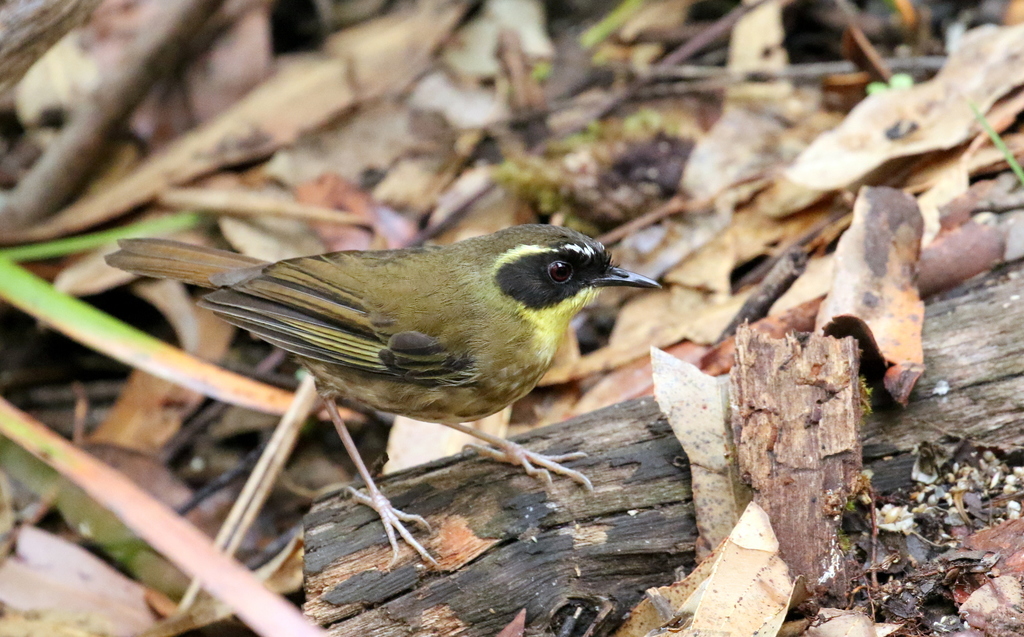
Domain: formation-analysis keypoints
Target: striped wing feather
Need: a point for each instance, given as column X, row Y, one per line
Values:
column 313, row 308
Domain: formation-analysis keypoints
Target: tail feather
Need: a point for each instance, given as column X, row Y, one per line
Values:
column 165, row 259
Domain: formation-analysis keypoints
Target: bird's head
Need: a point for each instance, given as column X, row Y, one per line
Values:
column 553, row 272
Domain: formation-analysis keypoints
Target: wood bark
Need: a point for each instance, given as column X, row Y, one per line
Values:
column 28, row 28
column 69, row 161
column 507, row 542
column 796, row 413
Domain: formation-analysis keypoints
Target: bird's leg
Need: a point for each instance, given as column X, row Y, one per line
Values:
column 391, row 517
column 513, row 453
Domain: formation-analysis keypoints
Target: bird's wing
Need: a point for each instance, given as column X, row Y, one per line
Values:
column 311, row 307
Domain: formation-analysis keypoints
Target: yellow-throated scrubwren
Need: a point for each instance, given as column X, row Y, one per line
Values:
column 445, row 334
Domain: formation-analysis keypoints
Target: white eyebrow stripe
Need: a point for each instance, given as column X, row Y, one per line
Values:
column 584, row 250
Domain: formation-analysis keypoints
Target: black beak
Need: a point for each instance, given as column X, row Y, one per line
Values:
column 618, row 276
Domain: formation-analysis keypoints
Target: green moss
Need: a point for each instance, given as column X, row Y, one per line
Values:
column 535, row 180
column 844, row 541
column 865, row 397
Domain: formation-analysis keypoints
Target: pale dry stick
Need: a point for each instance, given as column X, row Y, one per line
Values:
column 70, row 159
column 241, row 203
column 267, row 613
column 810, row 71
column 264, row 475
column 28, row 28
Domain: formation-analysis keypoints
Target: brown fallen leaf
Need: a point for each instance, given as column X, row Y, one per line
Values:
column 412, row 442
column 743, row 589
column 756, row 45
column 632, row 380
column 516, row 627
column 996, row 607
column 657, row 319
column 958, row 255
column 389, row 52
column 266, row 613
column 150, row 410
column 832, row 622
column 1006, row 539
column 697, row 407
column 933, row 115
column 48, row 572
column 719, row 360
column 875, row 282
column 300, row 97
column 54, row 623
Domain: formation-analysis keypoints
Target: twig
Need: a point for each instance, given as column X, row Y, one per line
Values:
column 267, row 614
column 263, row 477
column 68, row 162
column 459, row 209
column 28, row 28
column 808, row 71
column 673, row 206
column 244, row 203
column 872, row 58
column 223, row 480
column 786, row 270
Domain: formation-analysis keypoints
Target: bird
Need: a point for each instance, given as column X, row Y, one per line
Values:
column 446, row 334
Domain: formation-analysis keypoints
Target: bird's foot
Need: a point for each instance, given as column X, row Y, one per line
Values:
column 536, row 464
column 392, row 520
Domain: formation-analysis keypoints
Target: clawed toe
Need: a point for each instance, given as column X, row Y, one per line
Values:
column 392, row 519
column 535, row 464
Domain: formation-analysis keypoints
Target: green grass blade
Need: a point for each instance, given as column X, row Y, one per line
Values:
column 998, row 142
column 81, row 243
column 82, row 322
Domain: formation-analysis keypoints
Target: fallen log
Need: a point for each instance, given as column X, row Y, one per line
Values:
column 507, row 542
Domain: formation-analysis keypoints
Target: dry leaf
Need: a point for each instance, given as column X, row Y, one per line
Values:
column 58, row 81
column 473, row 51
column 389, row 52
column 950, row 184
column 875, row 282
column 847, row 623
column 1006, row 539
column 996, row 605
column 696, row 406
column 281, row 574
column 656, row 319
column 742, row 589
column 632, row 380
column 516, row 627
column 150, row 410
column 464, row 107
column 757, row 45
column 958, row 255
column 271, row 239
column 719, row 360
column 300, row 97
column 933, row 115
column 47, row 572
column 54, row 623
column 372, row 138
column 814, row 283
column 91, row 275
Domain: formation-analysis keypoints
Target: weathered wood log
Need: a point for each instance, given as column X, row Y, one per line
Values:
column 974, row 376
column 507, row 542
column 795, row 419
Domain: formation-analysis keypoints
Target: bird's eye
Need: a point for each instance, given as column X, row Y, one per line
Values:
column 559, row 271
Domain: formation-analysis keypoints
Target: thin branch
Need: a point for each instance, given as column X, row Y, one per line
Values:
column 67, row 164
